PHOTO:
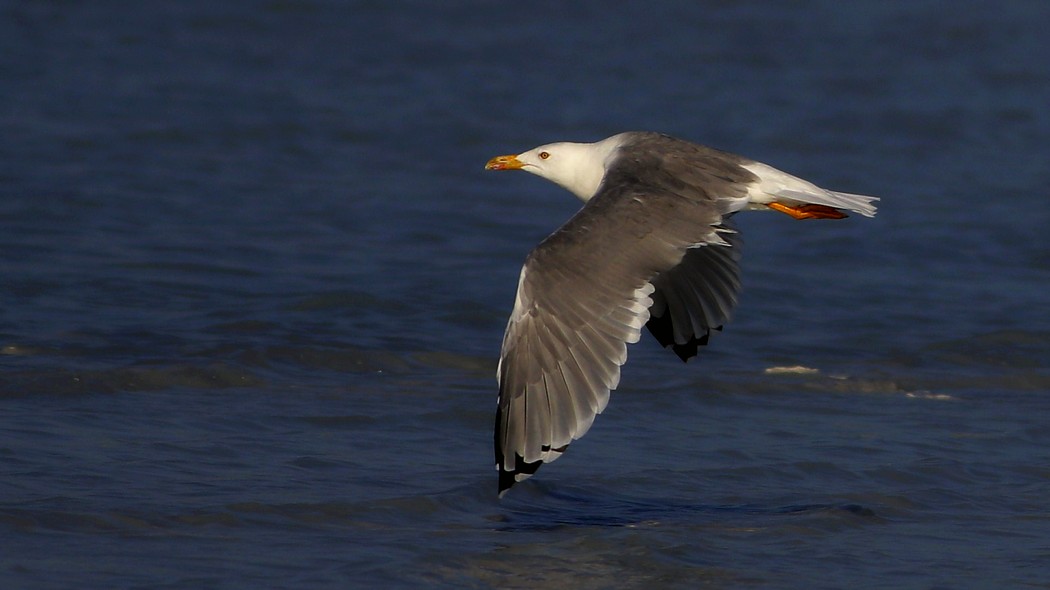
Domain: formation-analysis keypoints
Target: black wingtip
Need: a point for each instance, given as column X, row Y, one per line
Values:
column 661, row 328
column 506, row 481
column 520, row 472
column 520, row 469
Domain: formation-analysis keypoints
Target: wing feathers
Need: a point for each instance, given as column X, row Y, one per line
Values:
column 578, row 306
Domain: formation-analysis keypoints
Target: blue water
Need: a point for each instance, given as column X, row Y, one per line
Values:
column 253, row 283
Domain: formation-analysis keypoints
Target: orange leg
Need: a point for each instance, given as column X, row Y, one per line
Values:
column 808, row 211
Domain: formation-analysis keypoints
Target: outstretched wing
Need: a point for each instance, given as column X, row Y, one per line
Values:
column 583, row 294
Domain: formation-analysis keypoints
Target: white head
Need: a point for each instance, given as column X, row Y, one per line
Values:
column 578, row 167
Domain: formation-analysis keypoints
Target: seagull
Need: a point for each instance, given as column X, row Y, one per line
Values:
column 651, row 246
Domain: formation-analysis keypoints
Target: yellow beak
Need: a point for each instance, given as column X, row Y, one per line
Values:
column 504, row 163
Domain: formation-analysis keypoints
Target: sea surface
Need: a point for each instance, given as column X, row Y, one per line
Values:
column 254, row 280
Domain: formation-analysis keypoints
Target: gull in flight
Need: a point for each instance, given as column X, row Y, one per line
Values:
column 651, row 247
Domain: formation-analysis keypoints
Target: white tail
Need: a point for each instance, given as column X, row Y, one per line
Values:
column 775, row 185
column 861, row 204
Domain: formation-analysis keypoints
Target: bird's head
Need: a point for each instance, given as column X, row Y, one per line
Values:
column 578, row 167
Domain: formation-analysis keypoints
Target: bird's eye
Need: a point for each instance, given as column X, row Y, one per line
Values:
column 544, row 155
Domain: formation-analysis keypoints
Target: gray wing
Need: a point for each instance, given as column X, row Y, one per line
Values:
column 696, row 296
column 583, row 294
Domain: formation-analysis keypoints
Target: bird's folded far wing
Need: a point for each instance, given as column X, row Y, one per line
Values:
column 696, row 296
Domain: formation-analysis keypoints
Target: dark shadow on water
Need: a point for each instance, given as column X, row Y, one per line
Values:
column 541, row 506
